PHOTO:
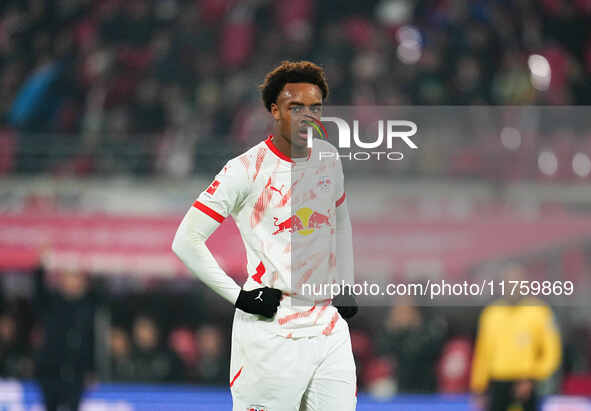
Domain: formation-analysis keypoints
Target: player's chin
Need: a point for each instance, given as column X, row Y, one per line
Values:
column 299, row 139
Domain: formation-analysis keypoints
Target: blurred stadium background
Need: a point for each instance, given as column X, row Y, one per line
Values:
column 115, row 114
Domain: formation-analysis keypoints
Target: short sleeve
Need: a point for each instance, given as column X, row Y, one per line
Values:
column 225, row 194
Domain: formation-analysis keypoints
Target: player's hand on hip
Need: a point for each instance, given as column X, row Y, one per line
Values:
column 346, row 305
column 262, row 301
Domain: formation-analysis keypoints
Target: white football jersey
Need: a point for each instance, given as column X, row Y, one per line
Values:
column 285, row 211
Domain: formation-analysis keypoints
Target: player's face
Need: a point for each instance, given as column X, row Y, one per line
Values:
column 296, row 103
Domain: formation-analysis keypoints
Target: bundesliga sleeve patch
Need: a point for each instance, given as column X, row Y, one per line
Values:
column 214, row 186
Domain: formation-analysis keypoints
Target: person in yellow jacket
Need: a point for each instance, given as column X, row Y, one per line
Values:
column 518, row 343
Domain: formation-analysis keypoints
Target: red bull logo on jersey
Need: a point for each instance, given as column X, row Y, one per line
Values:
column 304, row 222
column 256, row 408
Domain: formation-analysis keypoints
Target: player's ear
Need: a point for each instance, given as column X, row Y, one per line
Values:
column 275, row 111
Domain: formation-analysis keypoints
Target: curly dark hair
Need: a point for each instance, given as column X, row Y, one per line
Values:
column 292, row 72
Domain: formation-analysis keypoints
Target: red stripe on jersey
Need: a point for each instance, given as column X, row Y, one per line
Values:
column 261, row 205
column 324, row 307
column 259, row 162
column 294, row 316
column 275, row 150
column 331, row 325
column 260, row 271
column 213, row 214
column 245, row 161
column 236, row 376
column 340, row 200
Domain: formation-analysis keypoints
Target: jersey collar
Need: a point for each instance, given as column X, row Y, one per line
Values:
column 275, row 150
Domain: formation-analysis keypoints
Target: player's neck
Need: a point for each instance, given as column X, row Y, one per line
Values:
column 287, row 148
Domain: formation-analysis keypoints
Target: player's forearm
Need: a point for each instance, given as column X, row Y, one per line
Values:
column 344, row 233
column 189, row 245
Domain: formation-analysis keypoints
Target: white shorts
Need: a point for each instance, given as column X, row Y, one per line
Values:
column 269, row 372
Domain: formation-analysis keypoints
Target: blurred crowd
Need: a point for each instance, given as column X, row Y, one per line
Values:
column 140, row 354
column 149, row 86
column 163, row 335
column 75, row 328
column 154, row 339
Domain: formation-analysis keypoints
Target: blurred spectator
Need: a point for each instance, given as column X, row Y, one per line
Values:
column 378, row 378
column 7, row 150
column 184, row 343
column 413, row 341
column 65, row 362
column 518, row 344
column 148, row 111
column 121, row 368
column 15, row 361
column 361, row 343
column 454, row 366
column 213, row 364
column 151, row 361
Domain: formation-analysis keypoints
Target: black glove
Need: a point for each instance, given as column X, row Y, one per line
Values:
column 262, row 301
column 346, row 305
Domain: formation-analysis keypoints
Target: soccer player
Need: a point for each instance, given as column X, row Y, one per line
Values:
column 290, row 351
